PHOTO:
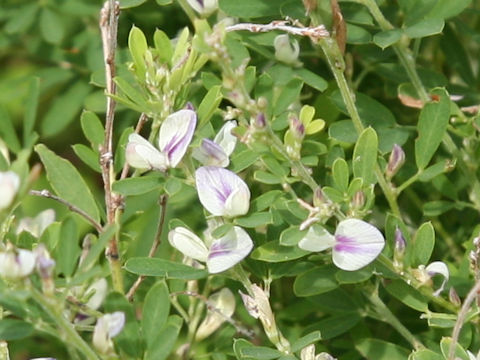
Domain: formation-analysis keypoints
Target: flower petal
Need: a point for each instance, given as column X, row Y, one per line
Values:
column 9, row 184
column 225, row 139
column 438, row 267
column 210, row 153
column 17, row 264
column 317, row 239
column 175, row 135
column 223, row 303
column 188, row 243
column 222, row 192
column 357, row 244
column 229, row 250
column 140, row 154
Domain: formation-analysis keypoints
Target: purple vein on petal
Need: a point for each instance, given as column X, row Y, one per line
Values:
column 217, row 249
column 350, row 245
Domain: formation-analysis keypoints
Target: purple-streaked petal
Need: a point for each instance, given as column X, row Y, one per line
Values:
column 357, row 244
column 317, row 239
column 175, row 135
column 225, row 138
column 211, row 154
column 438, row 267
column 229, row 250
column 140, row 154
column 188, row 243
column 222, row 192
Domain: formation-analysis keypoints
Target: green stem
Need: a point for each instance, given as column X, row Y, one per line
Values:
column 70, row 336
column 383, row 313
column 408, row 182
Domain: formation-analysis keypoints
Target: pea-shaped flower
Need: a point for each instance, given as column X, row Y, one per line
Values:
column 217, row 152
column 16, row 263
column 222, row 254
column 355, row 244
column 203, row 7
column 222, row 192
column 175, row 135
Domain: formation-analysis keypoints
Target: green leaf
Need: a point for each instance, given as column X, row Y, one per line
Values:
column 316, row 281
column 7, row 131
column 357, row 35
column 88, row 156
column 432, row 171
column 265, row 200
column 21, row 20
column 67, row 181
column 306, row 340
column 249, row 8
column 336, row 325
column 343, row 131
column 380, row 350
column 291, row 236
column 312, row 79
column 68, row 248
column 354, row 277
column 138, row 185
column 126, row 4
column 51, row 26
column 424, row 28
column 423, row 244
column 255, row 219
column 209, row 104
column 444, row 9
column 161, row 349
column 163, row 46
column 31, row 105
column 164, row 2
column 133, row 93
column 137, row 44
column 160, row 267
column 289, row 93
column 92, row 128
column 266, row 177
column 243, row 159
column 387, row 38
column 438, row 207
column 460, row 352
column 407, row 295
column 156, row 308
column 340, row 174
column 64, row 109
column 260, row 353
column 365, row 156
column 432, row 126
column 274, row 252
column 425, row 354
column 98, row 247
column 13, row 329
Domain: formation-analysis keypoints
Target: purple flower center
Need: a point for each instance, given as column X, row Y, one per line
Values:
column 218, row 249
column 352, row 246
column 201, row 3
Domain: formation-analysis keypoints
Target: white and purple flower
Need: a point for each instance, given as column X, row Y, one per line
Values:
column 222, row 192
column 16, row 263
column 175, row 135
column 355, row 244
column 217, row 152
column 222, row 254
column 108, row 326
column 204, row 7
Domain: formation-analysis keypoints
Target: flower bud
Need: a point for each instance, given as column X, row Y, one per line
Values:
column 308, row 352
column 108, row 326
column 296, row 127
column 16, row 263
column 203, row 7
column 395, row 162
column 453, row 297
column 318, row 197
column 400, row 244
column 221, row 307
column 285, row 50
column 358, row 200
column 9, row 184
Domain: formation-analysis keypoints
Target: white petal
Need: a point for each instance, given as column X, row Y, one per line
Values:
column 211, row 154
column 188, row 243
column 221, row 191
column 140, row 154
column 438, row 267
column 99, row 289
column 316, row 239
column 229, row 250
column 175, row 135
column 17, row 264
column 357, row 244
column 225, row 139
column 9, row 184
column 223, row 303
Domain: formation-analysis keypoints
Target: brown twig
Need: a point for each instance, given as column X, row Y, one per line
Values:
column 314, row 33
column 49, row 195
column 108, row 28
column 472, row 294
column 240, row 328
column 141, row 121
column 156, row 242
